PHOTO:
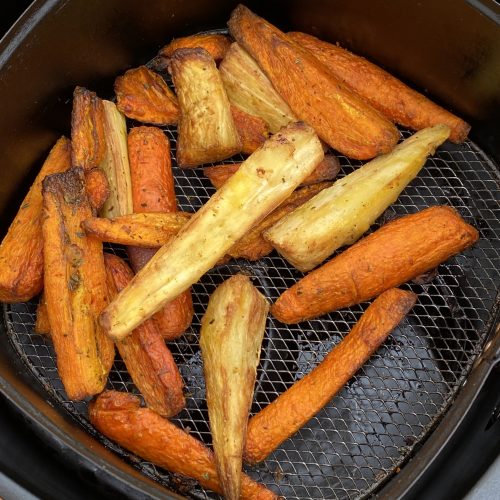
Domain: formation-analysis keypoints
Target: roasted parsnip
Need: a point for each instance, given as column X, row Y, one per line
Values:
column 115, row 164
column 143, row 95
column 119, row 417
column 341, row 214
column 231, row 336
column 75, row 286
column 206, row 130
column 249, row 89
column 21, row 251
column 253, row 130
column 296, row 406
column 341, row 118
column 262, row 183
column 88, row 144
column 147, row 358
column 397, row 252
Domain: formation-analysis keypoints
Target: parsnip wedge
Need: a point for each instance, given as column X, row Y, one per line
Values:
column 249, row 88
column 341, row 214
column 262, row 183
column 207, row 132
column 115, row 164
column 232, row 330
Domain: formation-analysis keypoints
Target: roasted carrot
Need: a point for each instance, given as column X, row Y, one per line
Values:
column 21, row 251
column 341, row 118
column 147, row 358
column 153, row 191
column 292, row 409
column 97, row 187
column 214, row 43
column 42, row 324
column 143, row 432
column 143, row 95
column 253, row 130
column 75, row 286
column 88, row 142
column 394, row 254
column 326, row 170
column 395, row 100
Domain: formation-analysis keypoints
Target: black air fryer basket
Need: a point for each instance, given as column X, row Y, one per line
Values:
column 428, row 397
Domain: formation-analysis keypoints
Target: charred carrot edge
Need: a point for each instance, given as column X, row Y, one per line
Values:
column 143, row 95
column 326, row 170
column 341, row 118
column 215, row 44
column 88, row 142
column 153, row 190
column 42, row 324
column 395, row 100
column 21, row 251
column 97, row 187
column 253, row 130
column 143, row 432
column 147, row 358
column 75, row 286
column 292, row 409
column 394, row 254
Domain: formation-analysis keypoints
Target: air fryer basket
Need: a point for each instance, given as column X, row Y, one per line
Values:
column 368, row 432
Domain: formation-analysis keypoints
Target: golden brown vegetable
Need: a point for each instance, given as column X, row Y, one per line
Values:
column 42, row 324
column 261, row 184
column 21, row 251
column 143, row 432
column 340, row 215
column 88, row 142
column 341, row 118
column 395, row 253
column 206, row 130
column 214, row 43
column 253, row 131
column 97, row 185
column 296, row 406
column 326, row 170
column 249, row 88
column 395, row 100
column 144, row 96
column 231, row 336
column 75, row 286
column 147, row 358
column 153, row 191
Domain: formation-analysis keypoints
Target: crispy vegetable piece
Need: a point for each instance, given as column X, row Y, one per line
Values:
column 250, row 90
column 88, row 142
column 341, row 214
column 253, row 192
column 214, row 43
column 253, row 131
column 146, row 230
column 153, row 191
column 292, row 409
column 253, row 246
column 75, row 286
column 395, row 100
column 394, row 254
column 143, row 432
column 206, row 130
column 97, row 185
column 326, row 170
column 116, row 163
column 21, row 251
column 231, row 336
column 341, row 118
column 42, row 324
column 143, row 95
column 147, row 358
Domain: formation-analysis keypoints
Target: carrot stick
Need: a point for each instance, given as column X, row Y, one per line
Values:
column 396, row 253
column 292, row 409
column 395, row 100
column 143, row 432
column 253, row 130
column 42, row 324
column 153, row 191
column 215, row 44
column 147, row 358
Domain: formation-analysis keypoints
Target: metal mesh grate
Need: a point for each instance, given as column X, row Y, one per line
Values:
column 372, row 426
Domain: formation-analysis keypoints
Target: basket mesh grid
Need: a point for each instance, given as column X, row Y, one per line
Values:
column 368, row 431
